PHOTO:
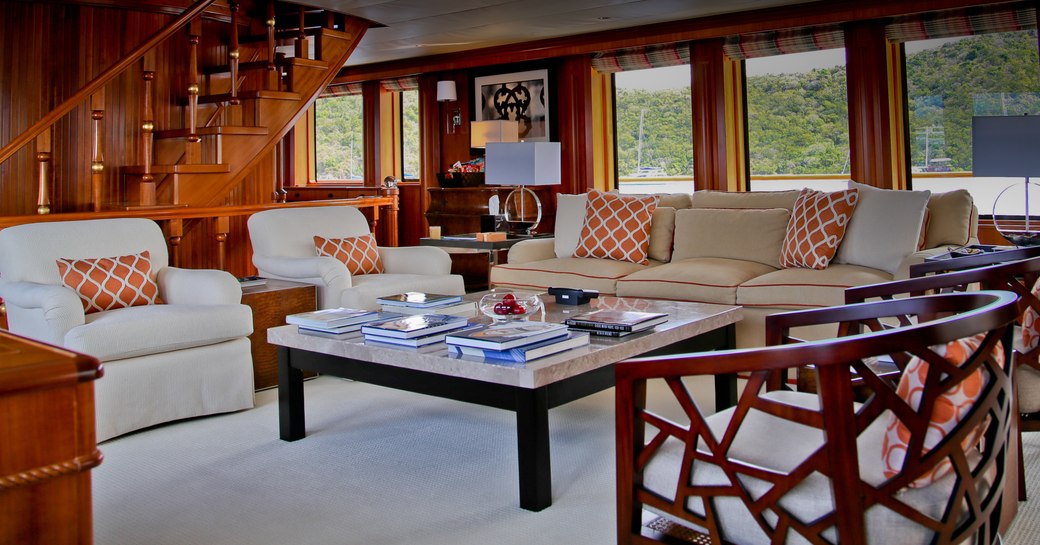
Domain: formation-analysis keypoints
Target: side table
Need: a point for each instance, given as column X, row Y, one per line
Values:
column 271, row 303
column 469, row 242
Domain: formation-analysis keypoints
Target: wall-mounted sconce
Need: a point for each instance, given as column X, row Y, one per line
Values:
column 446, row 93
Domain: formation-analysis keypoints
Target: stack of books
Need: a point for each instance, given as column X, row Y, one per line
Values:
column 415, row 302
column 514, row 341
column 615, row 323
column 414, row 330
column 336, row 323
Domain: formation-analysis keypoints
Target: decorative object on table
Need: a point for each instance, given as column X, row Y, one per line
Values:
column 626, row 321
column 522, row 97
column 446, row 93
column 389, row 182
column 526, row 353
column 435, row 231
column 463, row 174
column 247, row 281
column 418, row 299
column 1005, row 146
column 493, row 236
column 523, row 164
column 502, row 336
column 504, row 306
column 573, row 296
column 417, row 325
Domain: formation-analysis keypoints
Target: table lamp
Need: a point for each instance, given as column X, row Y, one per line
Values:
column 522, row 164
column 1005, row 146
column 493, row 130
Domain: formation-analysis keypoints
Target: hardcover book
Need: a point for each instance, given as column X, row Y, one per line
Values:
column 413, row 342
column 523, row 354
column 418, row 325
column 465, row 308
column 508, row 335
column 331, row 317
column 419, row 299
column 353, row 334
column 617, row 320
column 354, row 326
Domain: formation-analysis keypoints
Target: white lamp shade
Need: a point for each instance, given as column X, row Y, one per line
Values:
column 522, row 163
column 495, row 130
column 1005, row 146
column 446, row 91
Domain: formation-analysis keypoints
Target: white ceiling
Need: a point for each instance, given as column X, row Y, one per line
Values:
column 416, row 28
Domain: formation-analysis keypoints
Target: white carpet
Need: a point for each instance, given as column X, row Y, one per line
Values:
column 377, row 467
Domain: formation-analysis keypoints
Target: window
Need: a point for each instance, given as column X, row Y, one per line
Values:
column 410, row 134
column 949, row 80
column 339, row 149
column 798, row 121
column 654, row 127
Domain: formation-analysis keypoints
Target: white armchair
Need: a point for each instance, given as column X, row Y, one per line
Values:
column 184, row 358
column 283, row 247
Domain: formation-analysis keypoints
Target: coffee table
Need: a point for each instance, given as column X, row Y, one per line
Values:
column 529, row 390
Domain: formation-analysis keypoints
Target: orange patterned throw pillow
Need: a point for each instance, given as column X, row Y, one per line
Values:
column 616, row 227
column 817, row 225
column 359, row 254
column 950, row 408
column 111, row 282
column 1031, row 324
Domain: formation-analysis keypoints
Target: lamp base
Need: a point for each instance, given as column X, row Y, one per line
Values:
column 1022, row 238
column 518, row 211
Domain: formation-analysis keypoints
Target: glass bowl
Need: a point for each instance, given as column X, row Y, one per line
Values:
column 509, row 305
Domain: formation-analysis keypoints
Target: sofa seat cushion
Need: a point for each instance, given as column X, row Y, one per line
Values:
column 366, row 288
column 154, row 329
column 806, row 288
column 699, row 279
column 573, row 272
column 777, row 444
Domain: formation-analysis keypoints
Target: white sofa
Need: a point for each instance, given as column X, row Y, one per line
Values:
column 720, row 247
column 283, row 247
column 187, row 357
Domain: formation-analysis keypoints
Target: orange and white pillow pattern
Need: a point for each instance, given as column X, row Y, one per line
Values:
column 359, row 254
column 1031, row 324
column 616, row 227
column 817, row 225
column 950, row 408
column 111, row 282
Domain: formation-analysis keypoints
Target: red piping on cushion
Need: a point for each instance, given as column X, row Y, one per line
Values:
column 680, row 282
column 562, row 272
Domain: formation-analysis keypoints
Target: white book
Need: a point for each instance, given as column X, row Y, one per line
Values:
column 331, row 317
column 501, row 336
column 465, row 308
column 413, row 342
column 526, row 353
column 418, row 325
column 419, row 299
column 354, row 325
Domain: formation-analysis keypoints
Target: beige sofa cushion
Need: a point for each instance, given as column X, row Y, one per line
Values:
column 570, row 272
column 885, row 227
column 750, row 235
column 747, row 199
column 703, row 280
column 570, row 216
column 950, row 218
column 806, row 288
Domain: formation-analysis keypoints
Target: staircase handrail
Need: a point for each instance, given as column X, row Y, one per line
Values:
column 103, row 78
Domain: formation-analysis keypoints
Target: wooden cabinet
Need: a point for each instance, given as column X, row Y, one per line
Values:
column 458, row 209
column 47, row 443
column 271, row 303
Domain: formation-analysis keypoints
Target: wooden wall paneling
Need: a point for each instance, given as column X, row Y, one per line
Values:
column 876, row 117
column 411, row 220
column 429, row 152
column 372, row 128
column 574, row 123
column 455, row 145
column 604, row 168
column 716, row 135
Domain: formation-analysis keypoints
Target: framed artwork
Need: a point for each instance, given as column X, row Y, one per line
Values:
column 519, row 96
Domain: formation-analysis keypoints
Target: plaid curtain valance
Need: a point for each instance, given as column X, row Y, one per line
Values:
column 962, row 22
column 781, row 42
column 641, row 58
column 407, row 83
column 340, row 90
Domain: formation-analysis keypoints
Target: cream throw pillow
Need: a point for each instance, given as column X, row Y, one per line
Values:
column 885, row 227
column 570, row 216
column 950, row 218
column 733, row 233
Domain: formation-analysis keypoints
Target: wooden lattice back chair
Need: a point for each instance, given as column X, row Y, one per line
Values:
column 784, row 466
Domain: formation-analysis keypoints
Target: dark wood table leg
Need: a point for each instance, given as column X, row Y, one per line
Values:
column 290, row 398
column 725, row 391
column 532, row 438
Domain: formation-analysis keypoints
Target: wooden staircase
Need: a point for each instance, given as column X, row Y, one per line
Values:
column 245, row 108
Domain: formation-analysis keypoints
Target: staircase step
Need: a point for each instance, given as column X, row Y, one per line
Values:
column 306, row 63
column 226, row 68
column 289, row 34
column 213, row 131
column 181, row 169
column 249, row 95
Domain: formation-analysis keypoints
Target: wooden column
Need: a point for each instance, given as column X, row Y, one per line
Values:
column 97, row 155
column 390, row 221
column 174, row 235
column 43, row 172
column 302, row 44
column 272, row 69
column 222, row 225
column 233, row 54
column 574, row 114
column 604, row 173
column 719, row 129
column 429, row 144
column 193, row 147
column 370, row 94
column 146, row 190
column 877, row 124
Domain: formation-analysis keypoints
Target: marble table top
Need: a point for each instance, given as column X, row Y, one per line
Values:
column 686, row 320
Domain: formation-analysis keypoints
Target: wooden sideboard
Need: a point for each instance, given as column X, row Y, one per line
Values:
column 271, row 303
column 47, row 443
column 458, row 209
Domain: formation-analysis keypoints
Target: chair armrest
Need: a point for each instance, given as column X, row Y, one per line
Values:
column 535, row 249
column 415, row 260
column 198, row 287
column 60, row 307
column 318, row 270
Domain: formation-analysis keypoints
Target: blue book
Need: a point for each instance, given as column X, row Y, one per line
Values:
column 416, row 325
column 500, row 336
column 526, row 353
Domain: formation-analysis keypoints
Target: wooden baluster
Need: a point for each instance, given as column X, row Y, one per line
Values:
column 174, row 235
column 97, row 155
column 194, row 148
column 146, row 193
column 390, row 224
column 233, row 54
column 272, row 74
column 223, row 226
column 302, row 46
column 43, row 172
